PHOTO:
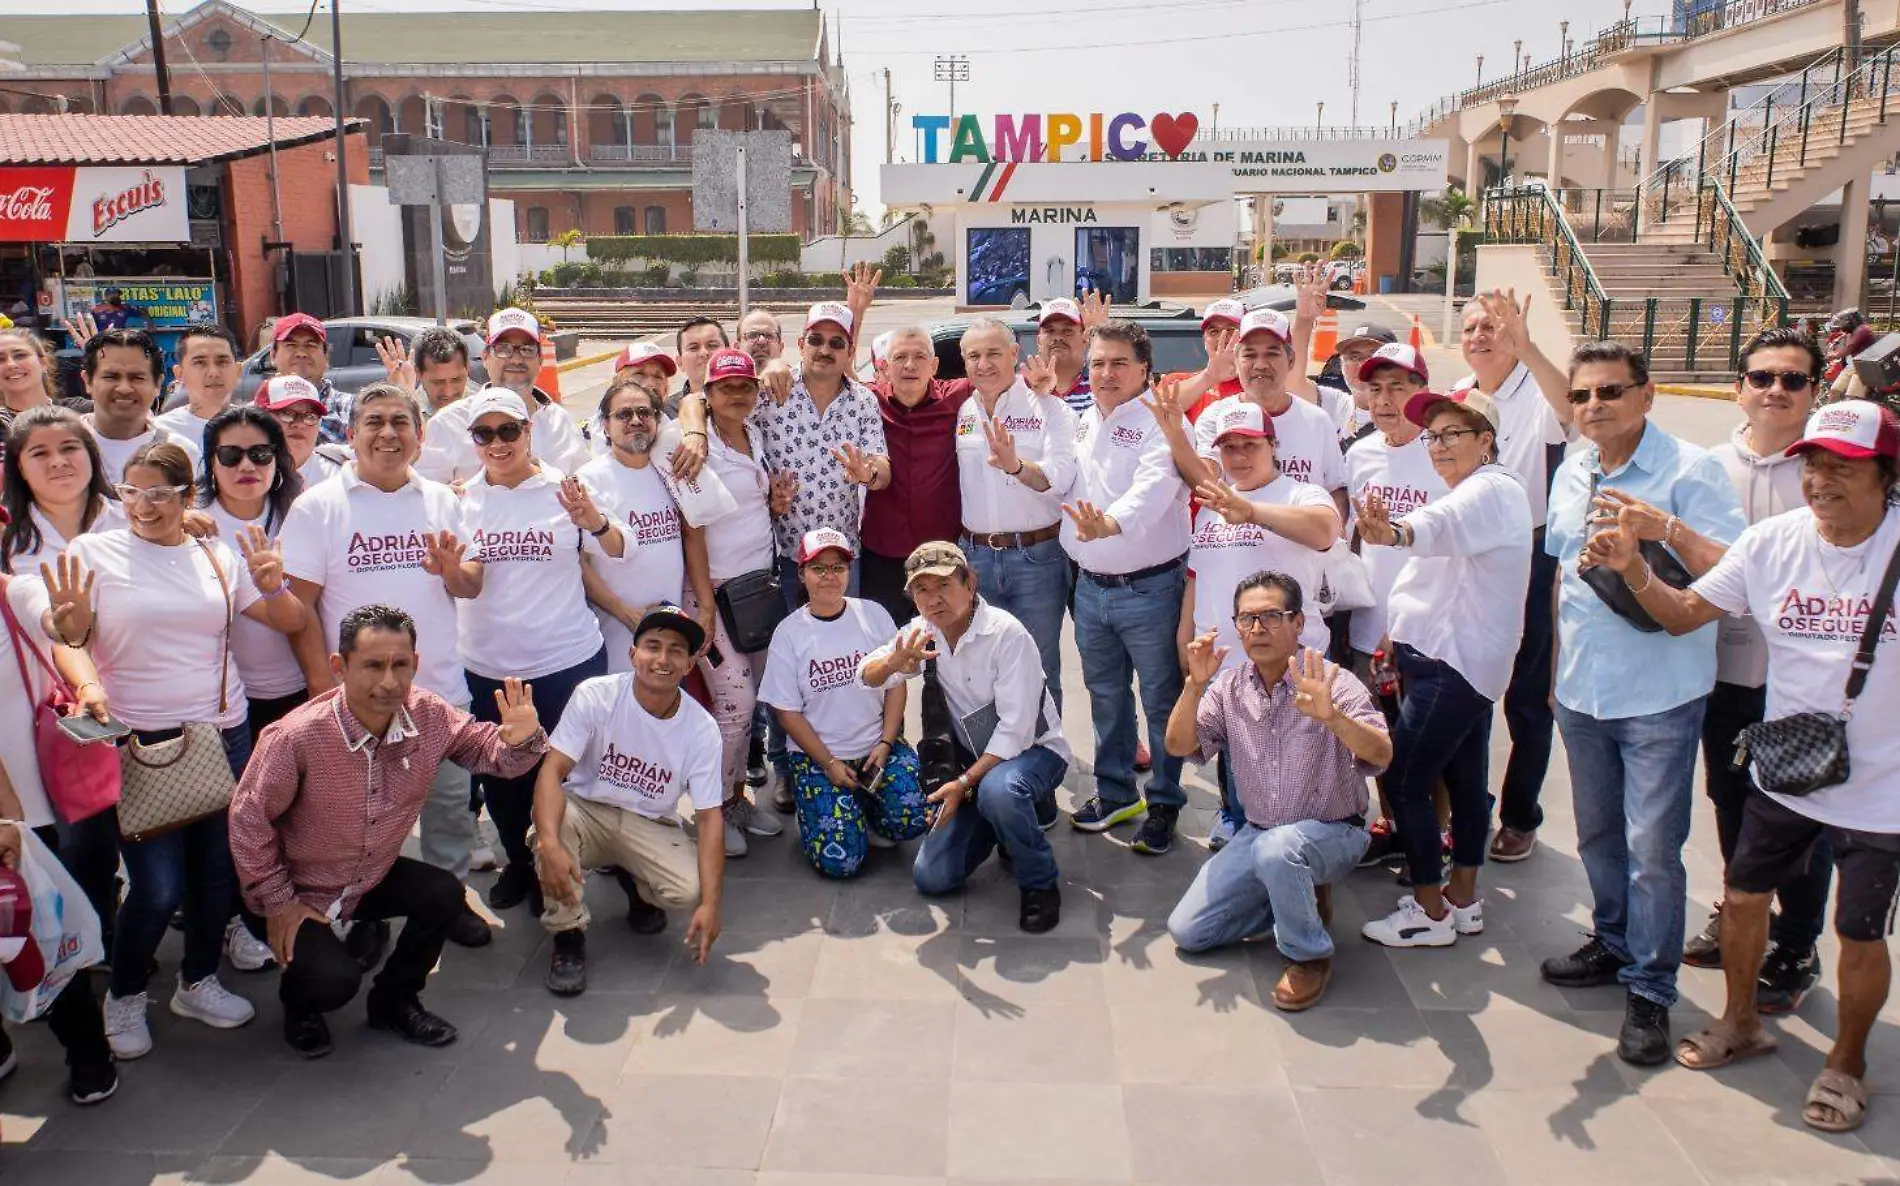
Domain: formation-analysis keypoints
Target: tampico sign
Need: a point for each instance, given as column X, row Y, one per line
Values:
column 71, row 204
column 1059, row 136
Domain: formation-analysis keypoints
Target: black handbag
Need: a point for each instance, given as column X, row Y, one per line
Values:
column 1800, row 754
column 1609, row 586
column 751, row 605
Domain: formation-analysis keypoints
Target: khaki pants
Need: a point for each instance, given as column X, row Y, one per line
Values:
column 663, row 862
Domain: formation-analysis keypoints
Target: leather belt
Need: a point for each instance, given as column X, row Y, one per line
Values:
column 1122, row 580
column 1002, row 540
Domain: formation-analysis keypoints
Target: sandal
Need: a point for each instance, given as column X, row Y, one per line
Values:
column 1840, row 1093
column 1721, row 1044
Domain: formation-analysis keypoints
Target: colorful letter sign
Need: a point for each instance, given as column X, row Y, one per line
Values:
column 1057, row 136
column 71, row 204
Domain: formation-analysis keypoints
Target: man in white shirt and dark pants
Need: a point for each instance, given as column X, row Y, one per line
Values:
column 1006, row 727
column 1127, row 530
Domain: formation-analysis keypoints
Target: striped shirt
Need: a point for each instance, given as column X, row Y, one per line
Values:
column 1287, row 767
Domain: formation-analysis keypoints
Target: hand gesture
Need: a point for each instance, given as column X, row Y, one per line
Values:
column 1309, row 291
column 856, row 464
column 442, row 552
column 1614, row 506
column 1091, row 522
column 395, row 359
column 200, row 525
column 69, row 590
column 784, row 490
column 1222, row 367
column 265, row 561
column 578, row 501
column 776, row 380
column 1313, row 680
column 872, row 770
column 703, row 931
column 1501, row 306
column 560, row 877
column 1002, row 447
column 1096, row 307
column 689, row 457
column 839, row 773
column 1165, row 407
column 1040, row 374
column 1375, row 519
column 860, row 283
column 1225, row 501
column 282, row 925
column 911, row 648
column 1613, row 545
column 1204, row 658
column 519, row 721
column 946, row 799
column 82, row 328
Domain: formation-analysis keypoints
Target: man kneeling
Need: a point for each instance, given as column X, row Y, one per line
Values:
column 318, row 822
column 628, row 746
column 1301, row 737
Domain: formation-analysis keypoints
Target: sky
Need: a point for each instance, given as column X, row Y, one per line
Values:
column 1265, row 62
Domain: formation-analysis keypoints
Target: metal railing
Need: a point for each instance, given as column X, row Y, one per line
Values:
column 641, row 154
column 1723, row 231
column 1532, row 215
column 1600, row 215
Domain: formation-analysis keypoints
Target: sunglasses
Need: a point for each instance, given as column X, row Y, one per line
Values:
column 158, row 496
column 229, row 456
column 1792, row 382
column 629, row 415
column 1608, row 393
column 1265, row 620
column 820, row 341
column 508, row 434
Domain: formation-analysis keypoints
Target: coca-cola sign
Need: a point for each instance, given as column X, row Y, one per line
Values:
column 77, row 204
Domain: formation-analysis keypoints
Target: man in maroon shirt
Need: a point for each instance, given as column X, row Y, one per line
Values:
column 318, row 822
column 922, row 502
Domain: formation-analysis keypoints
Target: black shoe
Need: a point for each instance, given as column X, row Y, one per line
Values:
column 367, row 939
column 567, row 967
column 470, row 929
column 1382, row 844
column 1046, row 811
column 411, row 1021
column 643, row 916
column 1587, row 967
column 1704, row 948
column 1644, row 1041
column 513, row 886
column 307, row 1033
column 1786, row 977
column 1156, row 834
column 92, row 1082
column 1042, row 909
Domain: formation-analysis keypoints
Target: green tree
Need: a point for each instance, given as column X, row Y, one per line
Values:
column 855, row 224
column 1345, row 249
column 566, row 240
column 1453, row 208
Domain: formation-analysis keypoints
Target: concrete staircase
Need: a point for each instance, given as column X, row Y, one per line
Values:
column 1831, row 160
column 1685, row 279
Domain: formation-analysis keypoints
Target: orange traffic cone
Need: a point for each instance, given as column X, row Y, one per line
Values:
column 1418, row 334
column 549, row 380
column 1325, row 337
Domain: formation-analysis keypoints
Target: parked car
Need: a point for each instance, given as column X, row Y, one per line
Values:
column 1174, row 329
column 1283, row 298
column 353, row 361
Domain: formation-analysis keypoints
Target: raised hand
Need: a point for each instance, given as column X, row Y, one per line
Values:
column 69, row 590
column 1648, row 522
column 1002, row 446
column 860, row 283
column 395, row 359
column 1204, row 658
column 1096, row 308
column 1224, row 501
column 519, row 721
column 784, row 490
column 1309, row 288
column 442, row 552
column 1313, row 680
column 265, row 561
column 1502, row 307
column 1375, row 519
column 1614, row 545
column 911, row 648
column 1222, row 367
column 856, row 464
column 578, row 501
column 82, row 328
column 1091, row 522
column 1165, row 407
column 1040, row 374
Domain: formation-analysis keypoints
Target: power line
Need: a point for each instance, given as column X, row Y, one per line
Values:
column 886, row 19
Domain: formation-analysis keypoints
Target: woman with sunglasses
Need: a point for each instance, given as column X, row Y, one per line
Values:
column 1456, row 617
column 149, row 606
column 52, row 487
column 529, row 530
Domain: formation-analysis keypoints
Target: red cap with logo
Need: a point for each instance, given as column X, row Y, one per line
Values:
column 1853, row 428
column 642, row 353
column 821, row 540
column 1395, row 354
column 728, row 363
column 289, row 324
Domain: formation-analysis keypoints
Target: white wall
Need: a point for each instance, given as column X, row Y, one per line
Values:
column 377, row 226
column 535, row 258
column 1521, row 267
column 833, row 253
column 504, row 253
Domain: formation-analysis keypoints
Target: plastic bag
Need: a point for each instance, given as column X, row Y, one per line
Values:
column 65, row 927
column 701, row 500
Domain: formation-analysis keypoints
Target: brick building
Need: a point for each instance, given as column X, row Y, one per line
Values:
column 602, row 143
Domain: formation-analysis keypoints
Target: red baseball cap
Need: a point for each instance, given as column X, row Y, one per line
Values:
column 728, row 363
column 290, row 323
column 287, row 391
column 644, row 352
column 1853, row 428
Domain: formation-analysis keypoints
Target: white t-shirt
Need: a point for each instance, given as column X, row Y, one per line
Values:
column 1811, row 600
column 158, row 627
column 1044, row 431
column 114, row 454
column 626, row 757
column 263, row 655
column 1221, row 554
column 1767, row 486
column 325, row 462
column 740, row 541
column 1306, row 442
column 812, row 669
column 1460, row 596
column 28, row 598
column 654, row 565
column 1528, row 427
column 365, row 547
column 186, row 423
column 111, row 517
column 1405, row 478
column 532, row 618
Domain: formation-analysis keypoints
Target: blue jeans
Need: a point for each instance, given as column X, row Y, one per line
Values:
column 1230, row 806
column 1527, row 699
column 190, row 867
column 1004, row 813
column 1265, row 877
column 1124, row 632
column 1032, row 584
column 1444, row 732
column 1633, row 782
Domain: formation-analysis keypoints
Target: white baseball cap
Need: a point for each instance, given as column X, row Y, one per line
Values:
column 1061, row 307
column 497, row 399
column 513, row 321
column 642, row 353
column 1852, row 428
column 1268, row 320
column 822, row 539
column 287, row 391
column 834, row 312
column 1395, row 354
column 1225, row 309
column 1244, row 418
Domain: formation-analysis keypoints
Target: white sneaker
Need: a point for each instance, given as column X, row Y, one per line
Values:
column 1410, row 926
column 1469, row 920
column 246, row 951
column 212, row 1003
column 482, row 859
column 126, row 1031
column 877, row 839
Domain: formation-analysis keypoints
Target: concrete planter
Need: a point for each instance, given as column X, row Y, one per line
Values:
column 567, row 343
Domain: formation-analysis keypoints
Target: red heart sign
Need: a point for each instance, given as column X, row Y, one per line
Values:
column 1172, row 132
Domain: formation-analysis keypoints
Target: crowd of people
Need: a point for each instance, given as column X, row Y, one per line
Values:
column 399, row 609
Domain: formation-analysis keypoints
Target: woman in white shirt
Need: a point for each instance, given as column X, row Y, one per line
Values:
column 52, row 487
column 1456, row 618
column 151, row 606
column 25, row 378
column 528, row 526
column 854, row 779
column 738, row 542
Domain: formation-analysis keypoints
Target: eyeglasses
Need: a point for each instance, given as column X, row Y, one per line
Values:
column 1265, row 620
column 298, row 419
column 1609, row 393
column 760, row 335
column 820, row 341
column 158, row 496
column 828, row 570
column 627, row 416
column 228, row 456
column 514, row 350
column 1792, row 382
column 1448, row 437
column 508, row 433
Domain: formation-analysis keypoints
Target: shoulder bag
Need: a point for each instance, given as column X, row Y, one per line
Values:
column 81, row 779
column 169, row 784
column 752, row 606
column 1807, row 752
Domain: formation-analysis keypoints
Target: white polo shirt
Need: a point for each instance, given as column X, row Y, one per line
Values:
column 740, row 540
column 1404, row 477
column 1044, row 432
column 1306, row 442
column 1527, row 427
column 1124, row 467
column 532, row 618
column 1222, row 554
column 628, row 758
column 364, row 546
column 812, row 669
column 653, row 567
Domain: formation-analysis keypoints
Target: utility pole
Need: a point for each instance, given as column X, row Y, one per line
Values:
column 952, row 68
column 153, row 23
column 1358, row 22
column 346, row 281
column 890, row 115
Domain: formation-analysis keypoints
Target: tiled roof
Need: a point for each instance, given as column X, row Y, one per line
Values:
column 149, row 139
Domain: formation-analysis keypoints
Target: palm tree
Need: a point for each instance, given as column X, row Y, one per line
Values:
column 856, row 223
column 1453, row 208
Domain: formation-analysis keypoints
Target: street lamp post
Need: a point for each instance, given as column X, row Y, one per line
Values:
column 1563, row 37
column 1319, row 115
column 953, row 68
column 1507, row 107
column 1480, row 69
column 1517, row 54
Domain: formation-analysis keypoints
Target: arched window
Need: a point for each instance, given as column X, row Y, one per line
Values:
column 537, row 224
column 623, row 221
column 136, row 105
column 656, row 220
column 185, row 105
